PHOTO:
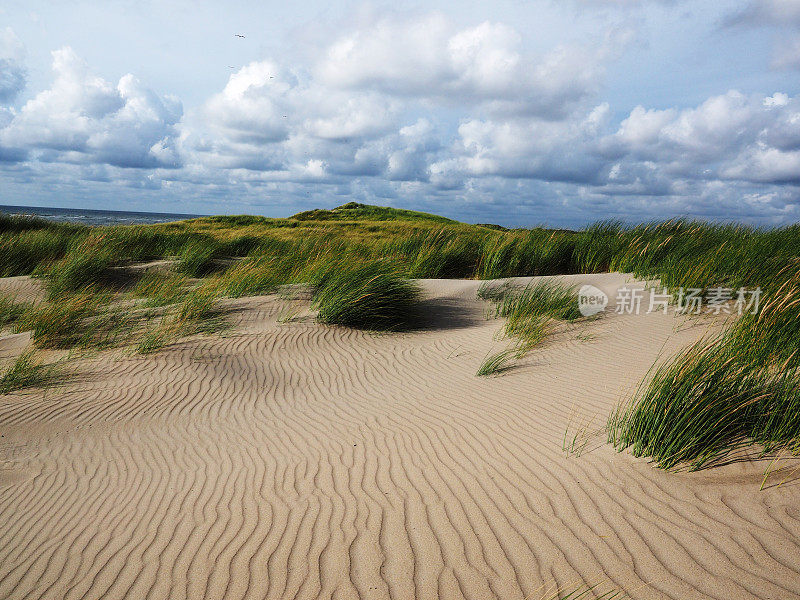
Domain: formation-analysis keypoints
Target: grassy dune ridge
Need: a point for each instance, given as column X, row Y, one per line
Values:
column 731, row 390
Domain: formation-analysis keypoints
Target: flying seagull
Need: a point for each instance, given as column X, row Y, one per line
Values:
column 238, row 35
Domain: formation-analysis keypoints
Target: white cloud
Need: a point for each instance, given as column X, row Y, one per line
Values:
column 13, row 73
column 750, row 138
column 268, row 118
column 420, row 110
column 428, row 58
column 82, row 118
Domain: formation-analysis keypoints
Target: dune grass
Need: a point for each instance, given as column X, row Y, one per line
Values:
column 197, row 260
column 735, row 390
column 706, row 402
column 11, row 311
column 160, row 287
column 588, row 592
column 496, row 363
column 197, row 312
column 86, row 319
column 81, row 264
column 87, row 264
column 532, row 314
column 256, row 275
column 369, row 296
column 353, row 211
column 26, row 371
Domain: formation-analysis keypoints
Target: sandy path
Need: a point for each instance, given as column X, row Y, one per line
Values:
column 293, row 460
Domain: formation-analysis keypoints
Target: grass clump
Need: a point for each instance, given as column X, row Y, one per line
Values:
column 87, row 265
column 368, row 296
column 739, row 389
column 198, row 306
column 161, row 287
column 198, row 259
column 495, row 364
column 155, row 339
column 26, row 371
column 85, row 320
column 706, row 402
column 197, row 313
column 61, row 323
column 254, row 276
column 532, row 312
column 10, row 311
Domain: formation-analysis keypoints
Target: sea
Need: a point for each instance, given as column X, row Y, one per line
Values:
column 87, row 216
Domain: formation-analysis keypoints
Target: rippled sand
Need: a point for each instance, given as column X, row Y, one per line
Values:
column 287, row 459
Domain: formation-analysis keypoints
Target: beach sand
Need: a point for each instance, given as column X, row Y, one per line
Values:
column 287, row 459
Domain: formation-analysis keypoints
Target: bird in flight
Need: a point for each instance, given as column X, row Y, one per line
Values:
column 238, row 35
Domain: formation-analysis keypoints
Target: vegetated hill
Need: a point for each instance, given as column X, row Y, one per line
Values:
column 354, row 211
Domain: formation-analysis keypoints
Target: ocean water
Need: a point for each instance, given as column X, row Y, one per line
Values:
column 94, row 217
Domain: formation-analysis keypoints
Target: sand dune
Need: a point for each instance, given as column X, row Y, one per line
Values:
column 286, row 459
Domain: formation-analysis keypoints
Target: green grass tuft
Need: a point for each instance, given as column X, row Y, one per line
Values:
column 254, row 276
column 495, row 364
column 368, row 296
column 11, row 311
column 26, row 371
column 84, row 320
column 531, row 312
column 706, row 402
column 160, row 287
column 87, row 265
column 198, row 259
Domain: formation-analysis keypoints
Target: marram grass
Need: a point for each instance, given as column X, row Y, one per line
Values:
column 26, row 371
column 532, row 313
column 496, row 363
column 694, row 410
column 706, row 402
column 369, row 296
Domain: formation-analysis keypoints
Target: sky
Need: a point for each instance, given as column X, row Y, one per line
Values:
column 516, row 112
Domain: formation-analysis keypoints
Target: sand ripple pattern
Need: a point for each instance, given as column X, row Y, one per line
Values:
column 293, row 460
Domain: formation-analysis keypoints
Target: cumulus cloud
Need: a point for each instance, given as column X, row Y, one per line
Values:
column 429, row 58
column 82, row 118
column 751, row 138
column 13, row 73
column 526, row 148
column 269, row 118
column 420, row 111
column 356, row 108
